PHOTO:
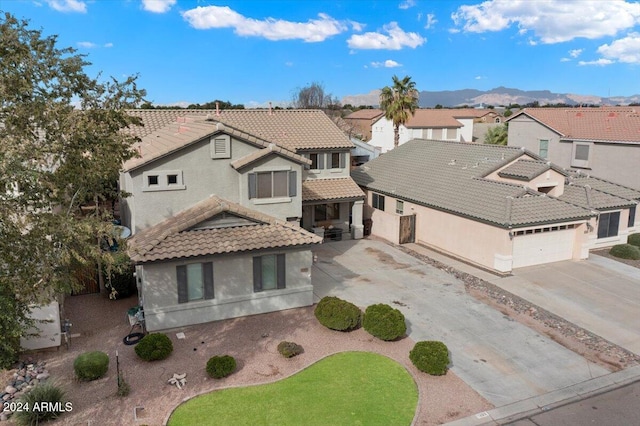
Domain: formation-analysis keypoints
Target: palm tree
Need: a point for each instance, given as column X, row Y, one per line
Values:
column 397, row 102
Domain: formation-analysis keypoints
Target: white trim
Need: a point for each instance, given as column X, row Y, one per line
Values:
column 271, row 200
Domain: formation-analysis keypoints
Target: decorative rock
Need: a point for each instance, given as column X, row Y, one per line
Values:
column 6, row 397
column 178, row 379
column 10, row 390
column 43, row 376
column 4, row 417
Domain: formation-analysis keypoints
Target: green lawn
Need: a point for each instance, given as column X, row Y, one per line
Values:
column 350, row 388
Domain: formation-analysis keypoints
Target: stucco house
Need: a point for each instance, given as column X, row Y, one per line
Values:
column 222, row 204
column 494, row 206
column 362, row 120
column 603, row 142
column 437, row 124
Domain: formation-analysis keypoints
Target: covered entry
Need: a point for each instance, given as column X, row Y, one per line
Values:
column 543, row 245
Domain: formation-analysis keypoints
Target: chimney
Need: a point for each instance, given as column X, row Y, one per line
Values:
column 217, row 108
column 270, row 111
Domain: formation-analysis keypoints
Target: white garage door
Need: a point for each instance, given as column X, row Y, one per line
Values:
column 544, row 247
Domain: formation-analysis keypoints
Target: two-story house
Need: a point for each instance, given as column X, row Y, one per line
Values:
column 603, row 142
column 220, row 206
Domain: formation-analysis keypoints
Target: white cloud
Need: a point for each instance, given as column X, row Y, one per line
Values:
column 479, row 77
column 68, row 5
column 289, row 63
column 553, row 21
column 387, row 64
column 158, row 6
column 357, row 26
column 600, row 62
column 108, row 45
column 314, row 30
column 623, row 50
column 431, row 21
column 86, row 44
column 574, row 53
column 565, row 60
column 395, row 40
column 406, row 4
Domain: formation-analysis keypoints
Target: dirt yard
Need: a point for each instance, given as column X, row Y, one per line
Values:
column 100, row 324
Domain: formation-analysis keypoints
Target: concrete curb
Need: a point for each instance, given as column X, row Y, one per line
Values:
column 532, row 406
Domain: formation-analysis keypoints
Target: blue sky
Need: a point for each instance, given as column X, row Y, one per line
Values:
column 253, row 52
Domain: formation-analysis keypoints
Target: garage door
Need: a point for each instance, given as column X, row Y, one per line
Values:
column 543, row 247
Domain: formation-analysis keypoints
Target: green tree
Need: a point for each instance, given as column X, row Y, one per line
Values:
column 398, row 102
column 62, row 147
column 497, row 135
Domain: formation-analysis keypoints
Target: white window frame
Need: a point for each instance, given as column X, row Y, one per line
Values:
column 399, row 207
column 546, row 149
column 163, row 181
column 581, row 163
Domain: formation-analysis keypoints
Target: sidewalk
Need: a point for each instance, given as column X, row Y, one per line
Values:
column 531, row 406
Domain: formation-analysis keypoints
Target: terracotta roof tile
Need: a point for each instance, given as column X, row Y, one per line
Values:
column 331, row 189
column 172, row 238
column 365, row 114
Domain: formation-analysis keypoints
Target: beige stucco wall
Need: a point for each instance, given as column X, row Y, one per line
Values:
column 233, row 290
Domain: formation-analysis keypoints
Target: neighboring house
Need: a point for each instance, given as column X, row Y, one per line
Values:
column 495, row 206
column 221, row 207
column 363, row 152
column 362, row 120
column 600, row 141
column 438, row 124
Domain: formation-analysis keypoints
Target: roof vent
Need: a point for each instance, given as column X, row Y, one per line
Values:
column 452, row 162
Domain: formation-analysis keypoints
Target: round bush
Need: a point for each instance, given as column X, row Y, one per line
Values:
column 91, row 365
column 221, row 366
column 154, row 347
column 431, row 357
column 338, row 314
column 625, row 251
column 384, row 322
column 42, row 393
column 289, row 349
column 634, row 240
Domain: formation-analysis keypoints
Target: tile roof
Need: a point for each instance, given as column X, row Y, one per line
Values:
column 590, row 198
column 271, row 149
column 365, row 114
column 172, row 238
column 577, row 178
column 524, row 170
column 449, row 176
column 331, row 189
column 611, row 124
column 429, row 118
column 295, row 129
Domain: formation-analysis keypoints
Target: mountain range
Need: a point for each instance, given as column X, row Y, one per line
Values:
column 498, row 96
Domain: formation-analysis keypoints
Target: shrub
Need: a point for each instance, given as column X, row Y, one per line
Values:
column 221, row 366
column 123, row 387
column 634, row 240
column 625, row 251
column 91, row 365
column 289, row 349
column 338, row 314
column 431, row 357
column 154, row 347
column 43, row 392
column 384, row 322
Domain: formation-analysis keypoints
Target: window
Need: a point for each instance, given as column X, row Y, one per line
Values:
column 543, row 150
column 581, row 155
column 436, row 134
column 632, row 217
column 399, row 207
column 275, row 184
column 329, row 211
column 220, row 146
column 172, row 179
column 608, row 224
column 195, row 282
column 269, row 272
column 338, row 160
column 317, row 161
column 451, row 134
column 378, row 201
column 152, row 180
column 162, row 180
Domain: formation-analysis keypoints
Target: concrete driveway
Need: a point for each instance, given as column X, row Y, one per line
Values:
column 501, row 359
column 598, row 294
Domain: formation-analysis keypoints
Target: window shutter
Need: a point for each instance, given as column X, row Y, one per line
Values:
column 252, row 185
column 343, row 159
column 293, row 183
column 181, row 272
column 308, row 157
column 257, row 273
column 207, row 276
column 281, row 271
column 321, row 161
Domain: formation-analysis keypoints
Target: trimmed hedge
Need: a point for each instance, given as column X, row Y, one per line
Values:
column 625, row 251
column 219, row 367
column 338, row 314
column 289, row 349
column 91, row 365
column 154, row 347
column 431, row 357
column 634, row 240
column 384, row 322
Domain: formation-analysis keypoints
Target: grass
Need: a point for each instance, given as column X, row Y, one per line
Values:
column 355, row 388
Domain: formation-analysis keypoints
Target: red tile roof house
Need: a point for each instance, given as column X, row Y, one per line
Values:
column 603, row 142
column 494, row 206
column 436, row 124
column 362, row 120
column 221, row 208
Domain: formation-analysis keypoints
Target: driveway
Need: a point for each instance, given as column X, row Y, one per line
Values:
column 597, row 294
column 503, row 360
